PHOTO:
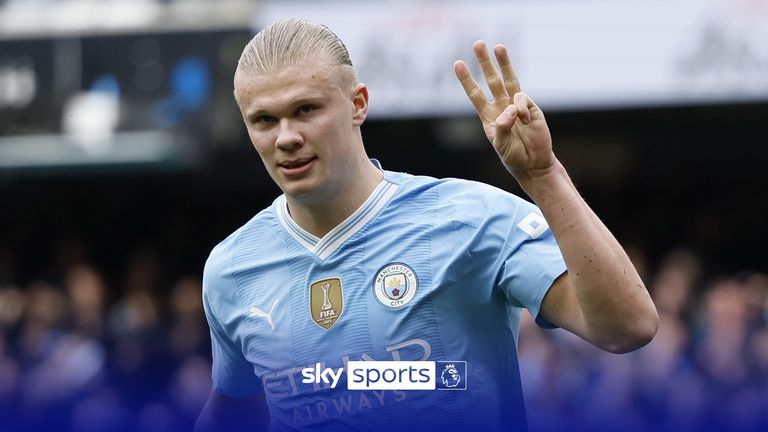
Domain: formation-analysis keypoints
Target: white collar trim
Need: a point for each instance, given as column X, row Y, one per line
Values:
column 326, row 246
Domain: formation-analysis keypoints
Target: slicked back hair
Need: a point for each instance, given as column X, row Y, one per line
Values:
column 293, row 42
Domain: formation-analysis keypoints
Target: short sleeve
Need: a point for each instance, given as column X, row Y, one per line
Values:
column 532, row 263
column 233, row 375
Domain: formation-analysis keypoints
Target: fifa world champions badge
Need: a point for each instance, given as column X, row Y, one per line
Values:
column 395, row 285
column 326, row 301
column 451, row 375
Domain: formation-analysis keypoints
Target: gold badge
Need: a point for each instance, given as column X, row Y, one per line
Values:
column 326, row 302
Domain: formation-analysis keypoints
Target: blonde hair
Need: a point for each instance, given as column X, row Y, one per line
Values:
column 294, row 42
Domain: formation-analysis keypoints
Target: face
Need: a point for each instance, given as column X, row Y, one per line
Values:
column 305, row 125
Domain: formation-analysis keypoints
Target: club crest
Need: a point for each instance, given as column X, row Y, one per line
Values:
column 395, row 285
column 326, row 301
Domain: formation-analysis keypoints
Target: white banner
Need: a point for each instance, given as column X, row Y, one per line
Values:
column 579, row 54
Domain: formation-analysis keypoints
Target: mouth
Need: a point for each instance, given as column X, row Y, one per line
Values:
column 296, row 167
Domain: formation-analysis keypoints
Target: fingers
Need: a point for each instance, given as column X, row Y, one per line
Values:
column 473, row 91
column 492, row 78
column 520, row 108
column 511, row 83
column 502, row 86
column 523, row 104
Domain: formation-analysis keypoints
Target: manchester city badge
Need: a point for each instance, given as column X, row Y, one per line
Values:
column 395, row 285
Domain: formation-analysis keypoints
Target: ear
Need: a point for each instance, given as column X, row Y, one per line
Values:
column 360, row 101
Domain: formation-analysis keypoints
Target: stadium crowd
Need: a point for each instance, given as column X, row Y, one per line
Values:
column 75, row 355
column 81, row 355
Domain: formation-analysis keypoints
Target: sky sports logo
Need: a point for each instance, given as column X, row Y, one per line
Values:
column 392, row 375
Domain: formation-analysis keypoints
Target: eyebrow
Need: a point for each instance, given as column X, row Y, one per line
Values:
column 296, row 103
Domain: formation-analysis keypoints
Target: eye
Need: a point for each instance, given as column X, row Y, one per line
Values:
column 306, row 109
column 264, row 119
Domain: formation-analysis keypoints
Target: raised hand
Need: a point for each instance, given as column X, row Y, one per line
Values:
column 512, row 121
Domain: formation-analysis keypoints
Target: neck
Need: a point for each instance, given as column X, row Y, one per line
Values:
column 319, row 216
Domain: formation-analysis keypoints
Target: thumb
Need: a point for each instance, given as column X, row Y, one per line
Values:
column 504, row 123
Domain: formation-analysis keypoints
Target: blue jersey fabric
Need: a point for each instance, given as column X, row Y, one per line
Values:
column 473, row 257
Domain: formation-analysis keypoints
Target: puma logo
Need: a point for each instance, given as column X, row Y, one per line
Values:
column 258, row 313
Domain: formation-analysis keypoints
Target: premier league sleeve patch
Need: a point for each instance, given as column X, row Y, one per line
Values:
column 451, row 375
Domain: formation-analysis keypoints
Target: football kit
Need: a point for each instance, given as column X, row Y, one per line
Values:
column 426, row 269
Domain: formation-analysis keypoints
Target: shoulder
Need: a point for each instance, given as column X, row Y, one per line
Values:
column 223, row 267
column 220, row 264
column 227, row 247
column 467, row 201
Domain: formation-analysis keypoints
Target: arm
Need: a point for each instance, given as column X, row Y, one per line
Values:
column 232, row 373
column 223, row 413
column 601, row 298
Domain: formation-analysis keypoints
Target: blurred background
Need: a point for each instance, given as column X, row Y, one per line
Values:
column 123, row 161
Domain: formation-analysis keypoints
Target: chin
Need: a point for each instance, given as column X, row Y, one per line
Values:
column 302, row 190
column 311, row 189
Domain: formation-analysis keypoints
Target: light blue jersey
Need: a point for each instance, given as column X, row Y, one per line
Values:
column 425, row 269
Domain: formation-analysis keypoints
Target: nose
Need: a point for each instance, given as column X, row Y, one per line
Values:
column 288, row 136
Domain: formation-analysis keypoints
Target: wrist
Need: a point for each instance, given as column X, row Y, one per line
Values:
column 540, row 182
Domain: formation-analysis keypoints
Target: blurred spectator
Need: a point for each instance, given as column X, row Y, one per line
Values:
column 88, row 300
column 11, row 308
column 674, row 284
column 188, row 333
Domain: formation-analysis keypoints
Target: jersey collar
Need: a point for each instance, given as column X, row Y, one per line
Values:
column 324, row 247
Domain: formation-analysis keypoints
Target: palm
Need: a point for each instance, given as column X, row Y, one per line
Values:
column 512, row 122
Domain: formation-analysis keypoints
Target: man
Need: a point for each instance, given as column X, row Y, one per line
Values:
column 356, row 263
